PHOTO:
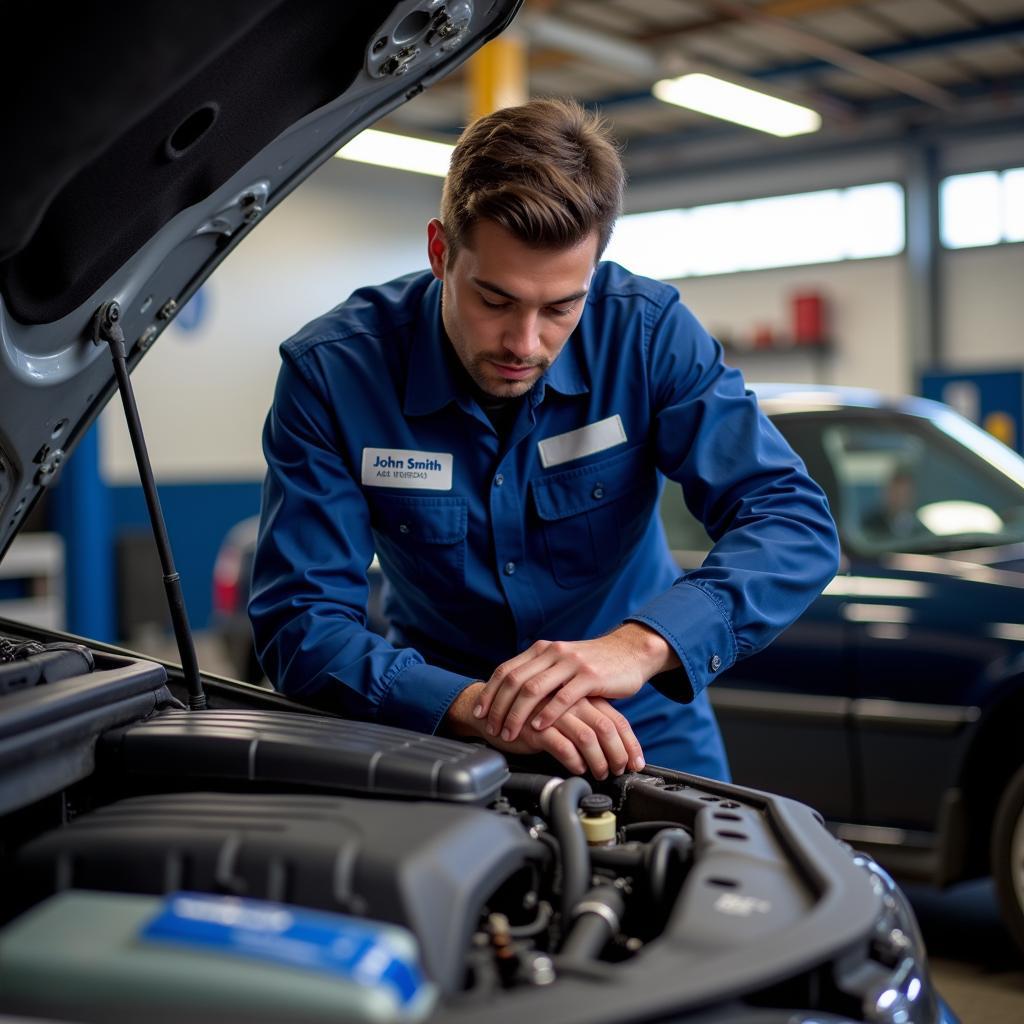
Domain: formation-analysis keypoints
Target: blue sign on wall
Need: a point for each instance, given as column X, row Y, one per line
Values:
column 193, row 313
column 994, row 399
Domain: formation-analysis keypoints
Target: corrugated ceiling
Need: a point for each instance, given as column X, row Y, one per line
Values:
column 875, row 69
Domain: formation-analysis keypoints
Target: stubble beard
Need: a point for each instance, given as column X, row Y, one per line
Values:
column 480, row 368
column 486, row 378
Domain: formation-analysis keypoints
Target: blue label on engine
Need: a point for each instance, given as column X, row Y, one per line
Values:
column 356, row 950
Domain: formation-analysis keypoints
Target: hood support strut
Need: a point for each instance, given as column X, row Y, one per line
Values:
column 107, row 328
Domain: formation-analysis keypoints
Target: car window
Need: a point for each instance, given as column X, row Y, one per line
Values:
column 895, row 483
column 902, row 485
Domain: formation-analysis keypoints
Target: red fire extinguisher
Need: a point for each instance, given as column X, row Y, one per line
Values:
column 809, row 319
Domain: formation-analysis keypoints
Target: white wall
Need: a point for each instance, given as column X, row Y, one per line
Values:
column 203, row 394
column 866, row 314
column 983, row 307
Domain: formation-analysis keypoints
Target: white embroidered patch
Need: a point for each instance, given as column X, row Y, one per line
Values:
column 594, row 437
column 399, row 467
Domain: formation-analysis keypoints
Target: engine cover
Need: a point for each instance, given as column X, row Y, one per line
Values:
column 428, row 866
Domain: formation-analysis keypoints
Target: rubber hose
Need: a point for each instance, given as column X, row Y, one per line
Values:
column 530, row 786
column 659, row 854
column 627, row 857
column 642, row 831
column 592, row 928
column 568, row 830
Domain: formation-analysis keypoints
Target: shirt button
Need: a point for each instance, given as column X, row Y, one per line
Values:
column 598, row 492
column 403, row 527
column 715, row 663
column 510, row 568
column 499, row 480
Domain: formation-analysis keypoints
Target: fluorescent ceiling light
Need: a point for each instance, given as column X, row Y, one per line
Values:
column 402, row 152
column 737, row 103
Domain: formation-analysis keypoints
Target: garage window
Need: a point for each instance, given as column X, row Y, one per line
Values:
column 985, row 208
column 826, row 226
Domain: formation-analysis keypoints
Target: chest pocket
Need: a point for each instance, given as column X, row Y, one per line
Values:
column 421, row 539
column 593, row 516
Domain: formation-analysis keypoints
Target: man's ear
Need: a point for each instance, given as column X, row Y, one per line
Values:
column 437, row 248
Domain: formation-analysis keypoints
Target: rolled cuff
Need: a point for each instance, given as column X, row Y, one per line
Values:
column 694, row 624
column 419, row 695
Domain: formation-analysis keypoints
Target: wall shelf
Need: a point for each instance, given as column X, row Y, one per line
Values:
column 38, row 560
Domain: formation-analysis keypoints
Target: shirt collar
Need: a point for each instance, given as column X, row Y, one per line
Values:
column 566, row 374
column 431, row 384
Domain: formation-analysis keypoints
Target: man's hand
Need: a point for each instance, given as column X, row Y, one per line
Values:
column 590, row 736
column 610, row 666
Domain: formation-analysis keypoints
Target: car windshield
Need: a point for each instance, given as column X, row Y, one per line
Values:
column 897, row 483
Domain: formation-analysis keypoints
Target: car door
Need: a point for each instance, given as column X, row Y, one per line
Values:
column 919, row 626
column 784, row 712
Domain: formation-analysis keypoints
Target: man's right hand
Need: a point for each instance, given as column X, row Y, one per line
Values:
column 591, row 736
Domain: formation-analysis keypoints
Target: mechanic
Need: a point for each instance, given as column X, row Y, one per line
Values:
column 498, row 429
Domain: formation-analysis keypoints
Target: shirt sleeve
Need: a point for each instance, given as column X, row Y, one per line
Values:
column 775, row 543
column 310, row 588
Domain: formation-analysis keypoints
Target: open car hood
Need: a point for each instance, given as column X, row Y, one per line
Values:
column 145, row 144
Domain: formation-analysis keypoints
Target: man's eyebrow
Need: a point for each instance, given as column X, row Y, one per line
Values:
column 488, row 286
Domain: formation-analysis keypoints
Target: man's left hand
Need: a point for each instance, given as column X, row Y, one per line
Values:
column 611, row 666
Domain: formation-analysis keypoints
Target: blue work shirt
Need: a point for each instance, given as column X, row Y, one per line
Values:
column 375, row 443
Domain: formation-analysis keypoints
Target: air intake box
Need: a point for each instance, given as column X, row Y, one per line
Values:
column 305, row 750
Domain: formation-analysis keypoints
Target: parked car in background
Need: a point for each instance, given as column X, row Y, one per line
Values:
column 895, row 704
column 232, row 573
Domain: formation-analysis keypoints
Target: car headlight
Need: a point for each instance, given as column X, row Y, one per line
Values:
column 894, row 984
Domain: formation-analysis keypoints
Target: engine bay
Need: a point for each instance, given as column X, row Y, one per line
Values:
column 565, row 898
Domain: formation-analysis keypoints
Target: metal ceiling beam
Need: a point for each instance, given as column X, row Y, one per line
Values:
column 1006, row 31
column 646, row 63
column 600, row 47
column 1010, row 31
column 1013, row 86
column 796, row 8
column 807, row 148
column 780, row 8
column 625, row 54
column 632, row 55
column 841, row 56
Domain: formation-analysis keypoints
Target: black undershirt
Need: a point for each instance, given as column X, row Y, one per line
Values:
column 502, row 412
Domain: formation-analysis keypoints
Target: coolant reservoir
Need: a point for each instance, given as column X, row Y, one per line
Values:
column 598, row 819
column 201, row 954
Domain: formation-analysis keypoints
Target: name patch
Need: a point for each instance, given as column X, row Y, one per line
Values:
column 576, row 444
column 399, row 467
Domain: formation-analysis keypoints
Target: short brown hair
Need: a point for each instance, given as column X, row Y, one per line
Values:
column 547, row 171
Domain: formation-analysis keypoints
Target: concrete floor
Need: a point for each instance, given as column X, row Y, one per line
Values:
column 975, row 965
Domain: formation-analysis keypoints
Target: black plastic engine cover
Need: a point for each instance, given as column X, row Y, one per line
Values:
column 48, row 732
column 301, row 749
column 428, row 866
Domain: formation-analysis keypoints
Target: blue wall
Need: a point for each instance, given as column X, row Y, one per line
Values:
column 198, row 516
column 80, row 511
column 92, row 516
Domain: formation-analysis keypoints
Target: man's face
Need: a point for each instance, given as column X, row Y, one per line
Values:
column 508, row 309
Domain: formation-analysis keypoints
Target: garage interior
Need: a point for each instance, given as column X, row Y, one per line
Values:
column 915, row 163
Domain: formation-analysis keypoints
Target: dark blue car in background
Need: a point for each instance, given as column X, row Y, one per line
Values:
column 895, row 704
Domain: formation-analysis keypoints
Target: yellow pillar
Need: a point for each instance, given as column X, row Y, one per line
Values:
column 497, row 75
